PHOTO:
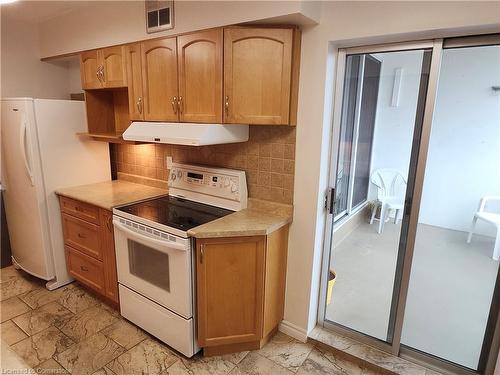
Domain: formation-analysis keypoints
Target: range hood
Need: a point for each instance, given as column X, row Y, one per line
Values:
column 185, row 133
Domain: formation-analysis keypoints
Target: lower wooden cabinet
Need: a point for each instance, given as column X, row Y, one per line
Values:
column 90, row 246
column 241, row 290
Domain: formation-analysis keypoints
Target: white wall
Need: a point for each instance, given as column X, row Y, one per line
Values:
column 105, row 23
column 393, row 135
column 463, row 162
column 22, row 72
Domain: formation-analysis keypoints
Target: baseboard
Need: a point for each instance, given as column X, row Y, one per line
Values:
column 292, row 330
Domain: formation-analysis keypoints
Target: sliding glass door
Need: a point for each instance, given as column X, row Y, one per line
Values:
column 413, row 246
column 457, row 247
column 379, row 117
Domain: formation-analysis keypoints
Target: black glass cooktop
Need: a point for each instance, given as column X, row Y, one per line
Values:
column 175, row 212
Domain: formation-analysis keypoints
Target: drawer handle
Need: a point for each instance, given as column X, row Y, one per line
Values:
column 83, row 268
column 81, row 235
column 79, row 209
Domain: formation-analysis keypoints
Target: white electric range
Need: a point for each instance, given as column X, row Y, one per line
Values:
column 155, row 256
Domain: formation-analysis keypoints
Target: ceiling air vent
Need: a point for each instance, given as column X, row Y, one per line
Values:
column 159, row 15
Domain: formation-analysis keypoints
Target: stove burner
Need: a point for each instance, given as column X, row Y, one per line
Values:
column 175, row 212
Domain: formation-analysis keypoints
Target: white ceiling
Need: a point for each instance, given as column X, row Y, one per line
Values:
column 39, row 11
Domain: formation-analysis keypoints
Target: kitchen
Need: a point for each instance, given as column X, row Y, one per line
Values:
column 170, row 193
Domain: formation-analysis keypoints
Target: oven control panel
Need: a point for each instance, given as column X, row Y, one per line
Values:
column 210, row 185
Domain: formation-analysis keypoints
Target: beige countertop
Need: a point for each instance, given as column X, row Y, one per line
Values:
column 259, row 219
column 111, row 194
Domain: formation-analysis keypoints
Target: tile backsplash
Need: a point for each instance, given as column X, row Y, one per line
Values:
column 268, row 158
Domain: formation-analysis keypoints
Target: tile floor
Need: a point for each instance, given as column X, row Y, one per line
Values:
column 70, row 331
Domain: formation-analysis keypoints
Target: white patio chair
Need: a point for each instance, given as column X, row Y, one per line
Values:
column 489, row 217
column 390, row 195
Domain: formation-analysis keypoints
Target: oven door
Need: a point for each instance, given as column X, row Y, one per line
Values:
column 156, row 267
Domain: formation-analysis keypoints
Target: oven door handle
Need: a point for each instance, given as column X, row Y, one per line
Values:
column 163, row 244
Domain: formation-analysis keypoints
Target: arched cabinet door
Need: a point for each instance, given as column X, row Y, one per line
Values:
column 134, row 79
column 114, row 72
column 257, row 75
column 89, row 64
column 200, row 76
column 159, row 80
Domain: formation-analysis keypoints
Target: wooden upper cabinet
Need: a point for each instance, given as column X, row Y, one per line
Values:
column 114, row 72
column 134, row 79
column 89, row 63
column 200, row 76
column 159, row 79
column 258, row 72
column 103, row 68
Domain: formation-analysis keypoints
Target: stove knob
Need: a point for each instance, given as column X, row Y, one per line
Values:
column 173, row 176
column 226, row 182
column 179, row 174
column 234, row 187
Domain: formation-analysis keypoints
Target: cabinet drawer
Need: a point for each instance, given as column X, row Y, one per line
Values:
column 79, row 209
column 85, row 269
column 82, row 236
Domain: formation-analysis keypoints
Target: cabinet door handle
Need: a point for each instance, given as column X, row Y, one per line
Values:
column 83, row 268
column 99, row 73
column 226, row 105
column 81, row 235
column 181, row 105
column 79, row 209
column 202, row 253
column 102, row 73
column 174, row 104
column 139, row 105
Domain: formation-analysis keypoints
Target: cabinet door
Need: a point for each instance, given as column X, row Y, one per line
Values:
column 114, row 67
column 200, row 76
column 230, row 279
column 89, row 64
column 109, row 257
column 134, row 79
column 159, row 79
column 257, row 75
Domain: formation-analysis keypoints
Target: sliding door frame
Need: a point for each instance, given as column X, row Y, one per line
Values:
column 412, row 206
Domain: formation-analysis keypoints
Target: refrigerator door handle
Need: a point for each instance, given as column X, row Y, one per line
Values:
column 22, row 144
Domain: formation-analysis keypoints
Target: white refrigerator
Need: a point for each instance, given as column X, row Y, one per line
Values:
column 41, row 152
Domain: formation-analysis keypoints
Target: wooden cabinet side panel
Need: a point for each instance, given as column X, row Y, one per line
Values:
column 159, row 79
column 230, row 279
column 257, row 75
column 294, row 88
column 274, row 289
column 109, row 256
column 100, row 111
column 134, row 79
column 200, row 76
